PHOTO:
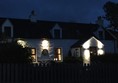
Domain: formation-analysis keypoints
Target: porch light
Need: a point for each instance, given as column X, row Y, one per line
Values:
column 22, row 43
column 86, row 45
column 100, row 52
column 45, row 44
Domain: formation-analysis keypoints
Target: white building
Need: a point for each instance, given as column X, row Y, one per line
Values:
column 54, row 40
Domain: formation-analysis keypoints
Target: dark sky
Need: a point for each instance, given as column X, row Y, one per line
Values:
column 84, row 11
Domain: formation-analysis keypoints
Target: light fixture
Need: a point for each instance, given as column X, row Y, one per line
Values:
column 45, row 44
column 86, row 45
column 100, row 52
column 22, row 43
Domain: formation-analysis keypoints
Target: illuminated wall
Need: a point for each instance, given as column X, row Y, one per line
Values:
column 92, row 42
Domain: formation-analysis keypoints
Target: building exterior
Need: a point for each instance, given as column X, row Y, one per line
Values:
column 51, row 40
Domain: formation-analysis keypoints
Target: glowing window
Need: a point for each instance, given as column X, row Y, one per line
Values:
column 58, row 54
column 33, row 54
column 33, row 51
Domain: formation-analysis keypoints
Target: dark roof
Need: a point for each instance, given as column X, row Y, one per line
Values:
column 110, row 34
column 24, row 28
column 114, row 34
column 79, row 43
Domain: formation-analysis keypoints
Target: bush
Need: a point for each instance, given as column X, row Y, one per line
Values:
column 14, row 53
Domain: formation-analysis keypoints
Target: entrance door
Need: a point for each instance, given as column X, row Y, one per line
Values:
column 93, row 51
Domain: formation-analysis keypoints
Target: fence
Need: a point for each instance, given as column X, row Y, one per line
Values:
column 58, row 73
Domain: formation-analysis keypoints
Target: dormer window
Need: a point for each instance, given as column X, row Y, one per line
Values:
column 7, row 29
column 57, row 32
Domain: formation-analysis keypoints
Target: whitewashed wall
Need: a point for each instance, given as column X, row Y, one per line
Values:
column 65, row 44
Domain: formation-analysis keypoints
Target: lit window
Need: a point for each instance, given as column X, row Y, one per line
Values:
column 33, row 51
column 58, row 54
column 33, row 54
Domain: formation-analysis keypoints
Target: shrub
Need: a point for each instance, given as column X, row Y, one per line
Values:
column 14, row 53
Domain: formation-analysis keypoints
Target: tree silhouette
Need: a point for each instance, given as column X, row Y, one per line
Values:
column 14, row 53
column 111, row 10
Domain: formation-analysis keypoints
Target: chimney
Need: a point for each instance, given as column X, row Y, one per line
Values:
column 32, row 16
column 100, row 21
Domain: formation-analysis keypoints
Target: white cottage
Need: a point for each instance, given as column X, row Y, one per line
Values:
column 87, row 48
column 51, row 40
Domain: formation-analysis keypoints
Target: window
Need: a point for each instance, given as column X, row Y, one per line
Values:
column 33, row 54
column 7, row 32
column 101, row 34
column 57, row 33
column 58, row 54
column 77, row 52
column 93, row 51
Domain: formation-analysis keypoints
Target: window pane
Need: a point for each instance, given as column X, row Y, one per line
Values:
column 7, row 31
column 57, row 33
column 58, row 54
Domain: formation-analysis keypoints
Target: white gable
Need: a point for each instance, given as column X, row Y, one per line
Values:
column 7, row 23
column 56, row 27
column 93, row 42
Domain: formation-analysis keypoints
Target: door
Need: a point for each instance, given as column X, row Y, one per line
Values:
column 93, row 51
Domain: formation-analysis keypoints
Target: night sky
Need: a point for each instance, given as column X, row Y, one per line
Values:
column 83, row 11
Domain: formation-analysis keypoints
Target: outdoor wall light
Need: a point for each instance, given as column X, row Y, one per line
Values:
column 86, row 45
column 22, row 43
column 45, row 44
column 100, row 52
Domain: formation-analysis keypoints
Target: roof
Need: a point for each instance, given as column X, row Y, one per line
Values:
column 80, row 42
column 24, row 28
